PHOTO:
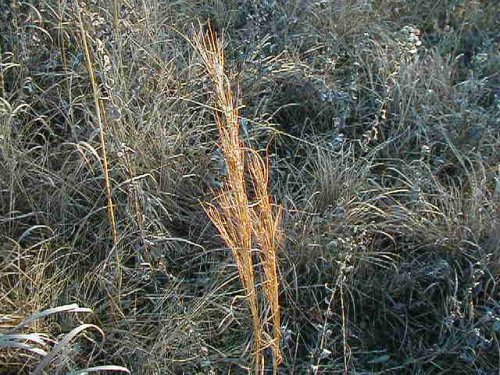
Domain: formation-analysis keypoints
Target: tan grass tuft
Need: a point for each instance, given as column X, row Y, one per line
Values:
column 237, row 219
column 268, row 232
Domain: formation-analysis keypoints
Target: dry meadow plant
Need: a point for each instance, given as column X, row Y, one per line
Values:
column 268, row 232
column 239, row 220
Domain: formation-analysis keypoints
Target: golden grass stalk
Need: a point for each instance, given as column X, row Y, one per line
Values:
column 101, row 121
column 232, row 216
column 238, row 221
column 268, row 232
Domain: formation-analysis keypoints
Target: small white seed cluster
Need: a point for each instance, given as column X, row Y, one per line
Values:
column 410, row 40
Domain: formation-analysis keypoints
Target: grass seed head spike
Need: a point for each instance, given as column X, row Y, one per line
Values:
column 231, row 212
column 237, row 220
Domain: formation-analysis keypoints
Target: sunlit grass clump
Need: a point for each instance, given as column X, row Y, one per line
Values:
column 245, row 223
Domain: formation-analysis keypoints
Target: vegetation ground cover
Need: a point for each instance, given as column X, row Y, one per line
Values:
column 380, row 120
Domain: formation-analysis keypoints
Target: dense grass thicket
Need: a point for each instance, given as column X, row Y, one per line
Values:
column 381, row 125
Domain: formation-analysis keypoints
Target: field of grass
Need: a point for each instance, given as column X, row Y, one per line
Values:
column 250, row 186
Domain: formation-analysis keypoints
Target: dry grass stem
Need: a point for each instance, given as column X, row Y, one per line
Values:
column 101, row 121
column 236, row 219
column 232, row 216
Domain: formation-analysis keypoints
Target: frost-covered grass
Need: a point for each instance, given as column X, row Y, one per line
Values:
column 381, row 122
